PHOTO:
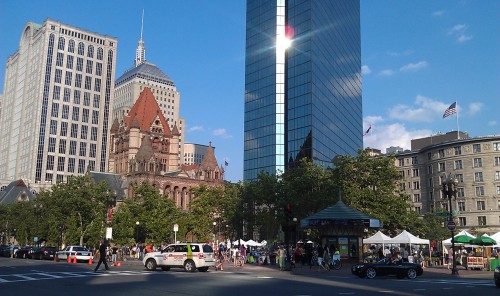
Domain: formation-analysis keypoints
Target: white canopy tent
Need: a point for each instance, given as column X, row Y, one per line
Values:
column 407, row 238
column 496, row 237
column 239, row 242
column 377, row 238
column 252, row 243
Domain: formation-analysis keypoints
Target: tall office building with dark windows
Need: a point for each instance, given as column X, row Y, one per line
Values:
column 302, row 83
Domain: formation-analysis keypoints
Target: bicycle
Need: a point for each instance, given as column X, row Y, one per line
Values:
column 335, row 262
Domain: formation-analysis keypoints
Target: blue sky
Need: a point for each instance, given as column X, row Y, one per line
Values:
column 418, row 57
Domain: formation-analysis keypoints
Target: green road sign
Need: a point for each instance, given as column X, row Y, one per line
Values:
column 442, row 214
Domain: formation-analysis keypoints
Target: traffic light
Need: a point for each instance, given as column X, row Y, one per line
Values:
column 288, row 211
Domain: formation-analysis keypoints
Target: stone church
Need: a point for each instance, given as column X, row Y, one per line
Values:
column 144, row 149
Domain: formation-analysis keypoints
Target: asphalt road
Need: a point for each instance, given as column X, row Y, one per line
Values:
column 33, row 277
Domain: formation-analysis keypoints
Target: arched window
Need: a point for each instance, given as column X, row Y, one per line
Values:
column 81, row 48
column 90, row 51
column 71, row 46
column 61, row 43
column 99, row 53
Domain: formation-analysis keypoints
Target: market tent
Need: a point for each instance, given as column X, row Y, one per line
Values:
column 447, row 242
column 252, row 243
column 407, row 238
column 377, row 238
column 239, row 242
column 496, row 237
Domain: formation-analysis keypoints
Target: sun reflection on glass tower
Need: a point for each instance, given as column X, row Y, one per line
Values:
column 302, row 99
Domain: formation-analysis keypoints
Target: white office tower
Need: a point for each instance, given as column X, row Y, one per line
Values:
column 57, row 100
column 144, row 74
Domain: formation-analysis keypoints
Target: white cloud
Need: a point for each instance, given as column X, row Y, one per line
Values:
column 423, row 110
column 411, row 67
column 386, row 72
column 196, row 128
column 475, row 108
column 372, row 120
column 221, row 132
column 460, row 32
column 400, row 53
column 396, row 134
column 365, row 70
column 438, row 13
column 492, row 122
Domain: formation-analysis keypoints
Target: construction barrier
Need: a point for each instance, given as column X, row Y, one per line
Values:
column 74, row 259
column 90, row 260
column 69, row 258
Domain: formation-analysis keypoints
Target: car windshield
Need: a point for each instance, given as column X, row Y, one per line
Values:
column 80, row 249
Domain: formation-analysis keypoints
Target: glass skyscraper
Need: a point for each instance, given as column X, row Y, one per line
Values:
column 304, row 100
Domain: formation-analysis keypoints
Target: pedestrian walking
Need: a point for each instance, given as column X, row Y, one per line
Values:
column 102, row 256
column 220, row 257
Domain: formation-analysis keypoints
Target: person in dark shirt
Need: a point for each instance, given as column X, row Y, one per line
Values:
column 102, row 256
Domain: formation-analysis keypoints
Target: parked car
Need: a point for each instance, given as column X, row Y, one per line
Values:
column 496, row 276
column 47, row 253
column 387, row 266
column 24, row 252
column 81, row 253
column 7, row 251
column 190, row 256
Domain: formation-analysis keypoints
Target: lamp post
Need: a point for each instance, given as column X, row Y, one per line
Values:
column 450, row 191
column 215, row 240
column 176, row 228
column 38, row 211
column 137, row 231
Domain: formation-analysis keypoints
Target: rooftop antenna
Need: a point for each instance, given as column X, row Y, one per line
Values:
column 140, row 53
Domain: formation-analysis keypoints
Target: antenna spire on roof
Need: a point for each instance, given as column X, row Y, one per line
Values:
column 140, row 53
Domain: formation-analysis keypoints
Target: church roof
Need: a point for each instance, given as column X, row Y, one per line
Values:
column 145, row 71
column 146, row 111
column 209, row 161
column 16, row 191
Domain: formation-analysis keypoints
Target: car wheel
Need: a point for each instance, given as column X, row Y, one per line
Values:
column 497, row 283
column 203, row 269
column 411, row 273
column 189, row 266
column 151, row 264
column 165, row 268
column 371, row 273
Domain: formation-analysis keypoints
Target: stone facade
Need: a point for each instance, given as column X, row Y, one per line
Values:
column 476, row 164
column 144, row 149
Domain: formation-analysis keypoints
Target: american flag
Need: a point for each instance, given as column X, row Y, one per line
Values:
column 451, row 110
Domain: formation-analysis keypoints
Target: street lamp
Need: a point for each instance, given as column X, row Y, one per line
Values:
column 38, row 211
column 137, row 231
column 450, row 191
column 216, row 240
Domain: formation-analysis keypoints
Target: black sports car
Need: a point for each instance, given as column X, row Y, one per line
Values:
column 387, row 267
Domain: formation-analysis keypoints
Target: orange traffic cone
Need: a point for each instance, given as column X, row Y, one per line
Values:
column 69, row 259
column 74, row 259
column 90, row 260
column 118, row 264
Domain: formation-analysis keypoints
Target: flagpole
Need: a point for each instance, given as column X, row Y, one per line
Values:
column 458, row 127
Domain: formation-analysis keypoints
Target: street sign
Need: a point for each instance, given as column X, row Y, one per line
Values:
column 456, row 212
column 442, row 214
column 451, row 225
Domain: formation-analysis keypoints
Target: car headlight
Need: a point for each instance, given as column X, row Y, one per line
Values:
column 497, row 270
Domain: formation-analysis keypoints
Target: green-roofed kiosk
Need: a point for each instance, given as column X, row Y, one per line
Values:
column 342, row 227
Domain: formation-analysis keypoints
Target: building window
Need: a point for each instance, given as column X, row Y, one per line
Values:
column 476, row 148
column 50, row 162
column 59, row 59
column 53, row 127
column 74, row 130
column 479, row 191
column 55, row 110
column 461, row 206
column 95, row 117
column 93, row 134
column 458, row 164
column 458, row 150
column 65, row 112
column 460, row 192
column 90, row 51
column 414, row 159
column 498, row 190
column 442, row 167
column 72, row 148
column 416, row 198
column 64, row 129
column 88, row 69
column 497, row 160
column 57, row 92
column 460, row 178
column 93, row 149
column 481, row 220
column 83, row 149
column 496, row 146
column 76, row 95
column 429, row 155
column 481, row 206
column 462, row 221
column 71, row 46
column 79, row 64
column 478, row 176
column 81, row 166
column 498, row 206
column 478, row 162
column 60, row 164
column 76, row 114
column 497, row 176
column 418, row 209
column 81, row 48
column 415, row 172
column 71, row 165
column 99, row 53
column 83, row 132
column 416, row 185
column 52, row 145
column 441, row 153
column 401, row 162
column 429, row 169
column 58, row 76
column 62, row 146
